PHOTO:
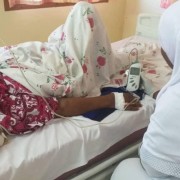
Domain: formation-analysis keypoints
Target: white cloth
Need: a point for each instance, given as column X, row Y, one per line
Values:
column 119, row 101
column 131, row 169
column 77, row 60
column 161, row 142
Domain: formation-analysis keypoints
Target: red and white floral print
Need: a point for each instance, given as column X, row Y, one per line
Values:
column 20, row 111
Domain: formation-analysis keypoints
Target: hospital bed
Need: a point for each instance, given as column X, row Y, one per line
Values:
column 79, row 148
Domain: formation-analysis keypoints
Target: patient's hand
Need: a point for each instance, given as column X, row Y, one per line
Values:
column 131, row 102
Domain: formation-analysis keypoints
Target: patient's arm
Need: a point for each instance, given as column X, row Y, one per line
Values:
column 79, row 105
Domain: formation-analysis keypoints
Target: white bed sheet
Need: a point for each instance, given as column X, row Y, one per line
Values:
column 62, row 145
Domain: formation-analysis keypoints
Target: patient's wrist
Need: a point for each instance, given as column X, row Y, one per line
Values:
column 119, row 101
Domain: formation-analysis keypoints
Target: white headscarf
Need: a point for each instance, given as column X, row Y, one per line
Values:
column 169, row 32
column 161, row 142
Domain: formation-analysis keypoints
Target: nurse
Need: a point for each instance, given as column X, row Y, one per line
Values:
column 159, row 152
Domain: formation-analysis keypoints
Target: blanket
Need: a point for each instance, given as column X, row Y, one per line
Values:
column 76, row 60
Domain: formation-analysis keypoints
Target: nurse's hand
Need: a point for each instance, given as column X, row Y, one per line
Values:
column 132, row 103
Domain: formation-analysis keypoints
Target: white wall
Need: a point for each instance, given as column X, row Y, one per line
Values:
column 150, row 6
column 36, row 24
column 119, row 17
column 133, row 8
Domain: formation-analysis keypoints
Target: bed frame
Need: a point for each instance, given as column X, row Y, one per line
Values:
column 147, row 25
column 104, row 170
column 101, row 167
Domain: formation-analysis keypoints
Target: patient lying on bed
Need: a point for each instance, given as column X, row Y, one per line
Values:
column 64, row 76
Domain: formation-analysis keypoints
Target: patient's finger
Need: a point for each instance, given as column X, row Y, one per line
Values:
column 134, row 104
column 130, row 98
column 137, row 103
column 133, row 107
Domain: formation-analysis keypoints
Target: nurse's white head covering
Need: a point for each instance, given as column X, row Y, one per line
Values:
column 169, row 33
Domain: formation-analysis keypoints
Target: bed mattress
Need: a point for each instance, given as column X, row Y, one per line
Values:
column 65, row 144
column 104, row 160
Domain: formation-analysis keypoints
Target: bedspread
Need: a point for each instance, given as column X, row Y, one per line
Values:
column 77, row 59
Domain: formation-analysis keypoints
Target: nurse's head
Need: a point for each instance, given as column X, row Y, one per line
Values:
column 169, row 32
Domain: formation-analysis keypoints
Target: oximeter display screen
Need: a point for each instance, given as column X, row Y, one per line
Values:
column 135, row 71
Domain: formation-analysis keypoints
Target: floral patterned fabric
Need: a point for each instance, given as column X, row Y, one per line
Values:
column 21, row 111
column 76, row 61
